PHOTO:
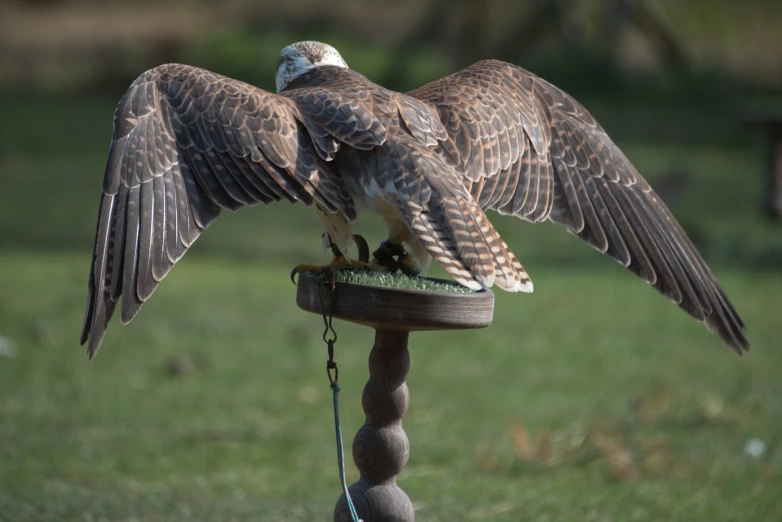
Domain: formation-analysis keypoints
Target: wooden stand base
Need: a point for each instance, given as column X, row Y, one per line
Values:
column 381, row 447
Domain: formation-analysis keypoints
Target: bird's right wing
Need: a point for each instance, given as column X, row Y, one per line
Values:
column 526, row 148
column 186, row 144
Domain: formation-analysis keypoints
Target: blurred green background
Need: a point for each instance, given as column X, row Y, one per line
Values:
column 592, row 399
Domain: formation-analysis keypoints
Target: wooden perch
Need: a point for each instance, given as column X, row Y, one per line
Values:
column 381, row 447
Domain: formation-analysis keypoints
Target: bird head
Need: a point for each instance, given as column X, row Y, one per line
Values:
column 298, row 58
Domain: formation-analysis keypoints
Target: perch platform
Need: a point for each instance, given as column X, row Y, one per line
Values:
column 381, row 447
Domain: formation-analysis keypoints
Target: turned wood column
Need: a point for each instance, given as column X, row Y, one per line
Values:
column 775, row 172
column 766, row 114
column 381, row 447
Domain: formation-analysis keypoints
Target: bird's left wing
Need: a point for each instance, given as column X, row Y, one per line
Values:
column 526, row 148
column 186, row 144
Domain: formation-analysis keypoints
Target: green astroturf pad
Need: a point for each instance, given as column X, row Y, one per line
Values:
column 399, row 280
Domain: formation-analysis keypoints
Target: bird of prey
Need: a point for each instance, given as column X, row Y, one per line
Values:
column 188, row 143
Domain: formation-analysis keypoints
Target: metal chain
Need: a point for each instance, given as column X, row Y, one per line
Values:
column 331, row 366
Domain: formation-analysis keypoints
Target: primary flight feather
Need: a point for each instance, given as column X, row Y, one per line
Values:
column 188, row 143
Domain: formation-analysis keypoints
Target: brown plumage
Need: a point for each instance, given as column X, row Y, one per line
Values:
column 188, row 143
column 528, row 149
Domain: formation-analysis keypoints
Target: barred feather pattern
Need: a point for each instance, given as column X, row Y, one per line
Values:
column 429, row 197
column 438, row 243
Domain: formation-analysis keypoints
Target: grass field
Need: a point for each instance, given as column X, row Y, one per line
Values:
column 591, row 399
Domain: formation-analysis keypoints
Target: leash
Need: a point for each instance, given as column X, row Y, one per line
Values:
column 330, row 337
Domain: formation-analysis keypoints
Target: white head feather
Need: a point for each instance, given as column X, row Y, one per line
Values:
column 298, row 58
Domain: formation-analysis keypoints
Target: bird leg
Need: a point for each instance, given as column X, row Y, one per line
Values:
column 340, row 262
column 394, row 257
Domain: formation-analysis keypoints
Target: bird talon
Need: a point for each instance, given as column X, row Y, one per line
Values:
column 394, row 257
column 388, row 264
column 344, row 264
column 337, row 263
column 300, row 269
column 408, row 265
column 363, row 248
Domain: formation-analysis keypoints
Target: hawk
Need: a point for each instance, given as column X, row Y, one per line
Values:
column 188, row 143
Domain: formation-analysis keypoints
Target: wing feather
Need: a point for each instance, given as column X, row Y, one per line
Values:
column 512, row 180
column 160, row 260
column 130, row 299
column 146, row 283
column 115, row 256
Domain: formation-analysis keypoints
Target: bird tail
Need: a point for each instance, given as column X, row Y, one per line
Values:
column 439, row 210
column 457, row 233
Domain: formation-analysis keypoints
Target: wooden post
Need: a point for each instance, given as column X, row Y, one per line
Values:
column 766, row 114
column 775, row 172
column 381, row 447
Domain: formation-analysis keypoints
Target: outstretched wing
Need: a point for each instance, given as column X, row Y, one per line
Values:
column 186, row 144
column 528, row 149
